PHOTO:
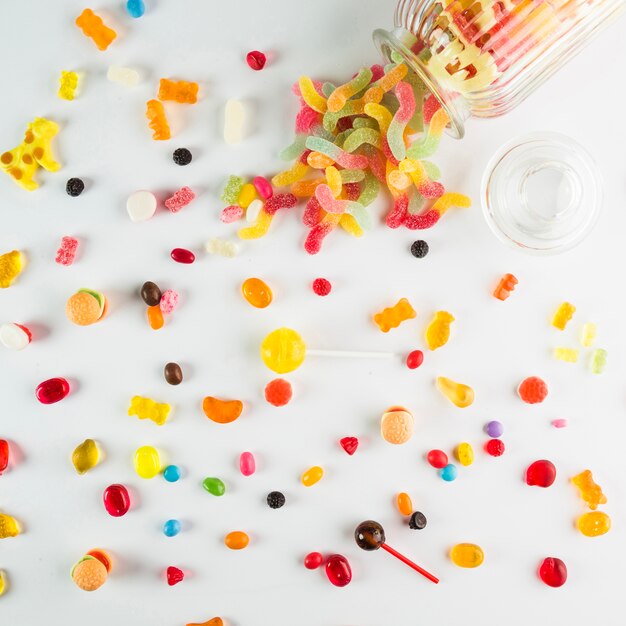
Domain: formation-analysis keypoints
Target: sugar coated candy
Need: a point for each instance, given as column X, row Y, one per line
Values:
column 155, row 317
column 532, row 390
column 135, row 8
column 417, row 521
column 182, row 255
column 222, row 411
column 338, row 570
column 541, row 474
column 74, row 187
column 116, row 500
column 247, row 463
column 221, row 247
column 448, row 473
column 594, row 523
column 4, row 455
column 85, row 456
column 15, row 336
column 588, row 335
column 67, row 251
column 275, row 499
column 505, row 287
column 464, row 454
column 169, row 301
column 396, row 425
column 257, row 293
column 563, row 315
column 8, row 526
column 414, row 359
column 146, row 408
column 180, row 199
column 404, row 504
column 283, row 350
column 392, row 317
column 568, row 355
column 589, row 490
column 126, row 76
column 437, row 458
column 312, row 475
column 419, row 249
column 86, row 307
column 52, row 390
column 10, row 268
column 150, row 293
column 94, row 28
column 321, row 287
column 182, row 156
column 553, row 572
column 234, row 120
column 232, row 189
column 256, row 60
column 467, row 555
column 214, row 486
column 236, row 540
column 349, row 444
column 171, row 473
column 438, row 331
column 147, row 462
column 68, row 82
column 173, row 374
column 494, row 429
column 157, row 121
column 598, row 361
column 171, row 528
column 459, row 394
column 179, row 91
column 92, row 571
column 278, row 392
column 495, row 447
column 313, row 560
column 174, row 575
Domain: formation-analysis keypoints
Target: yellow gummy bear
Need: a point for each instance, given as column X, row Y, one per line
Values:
column 85, row 456
column 563, row 315
column 590, row 492
column 22, row 162
column 8, row 526
column 10, row 268
column 145, row 408
column 67, row 85
column 395, row 315
column 438, row 331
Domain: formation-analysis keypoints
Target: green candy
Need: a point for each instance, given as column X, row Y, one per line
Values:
column 214, row 486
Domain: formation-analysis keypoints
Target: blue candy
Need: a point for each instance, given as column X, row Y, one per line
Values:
column 448, row 473
column 135, row 8
column 171, row 528
column 171, row 473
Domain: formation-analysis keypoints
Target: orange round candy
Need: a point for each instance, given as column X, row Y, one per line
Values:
column 237, row 540
column 257, row 293
column 222, row 411
column 89, row 574
column 83, row 308
column 396, row 425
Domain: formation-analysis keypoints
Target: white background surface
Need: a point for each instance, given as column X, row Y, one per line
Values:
column 215, row 336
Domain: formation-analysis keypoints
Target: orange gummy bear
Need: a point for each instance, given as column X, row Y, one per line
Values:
column 216, row 621
column 505, row 287
column 590, row 491
column 93, row 27
column 395, row 315
column 222, row 411
column 179, row 91
column 158, row 122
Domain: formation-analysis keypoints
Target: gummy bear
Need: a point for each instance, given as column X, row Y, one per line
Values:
column 67, row 85
column 598, row 361
column 85, row 456
column 93, row 27
column 394, row 316
column 590, row 492
column 563, row 315
column 459, row 394
column 568, row 355
column 8, row 526
column 178, row 91
column 505, row 287
column 438, row 331
column 145, row 408
column 157, row 121
column 10, row 268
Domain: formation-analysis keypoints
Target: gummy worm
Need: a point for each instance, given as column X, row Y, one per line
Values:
column 280, row 201
column 351, row 176
column 417, row 172
column 350, row 225
column 395, row 134
column 319, row 161
column 325, row 197
column 312, row 212
column 310, row 95
column 258, row 229
column 370, row 190
column 364, row 122
column 315, row 238
column 361, row 136
column 342, row 94
column 429, row 145
column 306, row 119
column 345, row 159
column 296, row 172
column 398, row 214
column 353, row 107
column 333, row 180
column 386, row 83
column 292, row 152
column 306, row 188
column 381, row 114
column 328, row 88
column 399, row 180
column 449, row 200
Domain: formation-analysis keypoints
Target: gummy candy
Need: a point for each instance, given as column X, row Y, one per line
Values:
column 588, row 335
column 467, row 555
column 173, row 374
column 145, row 408
column 553, row 572
column 182, row 156
column 92, row 571
column 123, row 75
column 180, row 199
column 174, row 575
column 594, row 524
column 338, row 570
column 169, row 301
column 236, row 540
column 222, row 247
column 135, row 8
column 256, row 60
column 216, row 621
column 3, row 582
column 74, row 187
column 141, row 206
column 448, row 473
column 459, row 394
column 181, row 255
column 86, row 307
column 313, row 560
column 67, row 251
column 278, row 392
column 85, row 456
column 8, row 526
column 171, row 473
column 414, row 359
column 4, row 455
column 67, row 85
column 392, row 317
column 275, row 500
column 438, row 331
column 283, row 350
column 257, row 293
column 247, row 464
column 178, row 91
column 505, row 287
column 94, row 28
column 494, row 429
column 349, row 444
column 406, row 110
column 15, row 336
column 171, row 528
column 232, row 189
column 464, row 454
column 569, row 355
column 52, row 390
column 339, row 97
column 147, row 462
column 157, row 121
column 404, row 504
column 417, row 521
column 532, row 390
column 222, row 411
column 590, row 492
column 564, row 314
column 598, row 361
column 234, row 120
column 312, row 475
column 541, row 474
column 116, row 500
column 437, row 458
column 214, row 486
column 321, row 287
column 22, row 162
column 495, row 447
column 396, row 425
column 155, row 317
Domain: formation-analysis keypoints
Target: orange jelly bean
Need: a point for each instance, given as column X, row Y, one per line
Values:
column 312, row 475
column 222, row 411
column 257, row 293
column 405, row 506
column 237, row 540
column 155, row 317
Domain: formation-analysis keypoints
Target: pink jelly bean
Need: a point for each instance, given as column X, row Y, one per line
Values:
column 169, row 301
column 52, row 390
column 247, row 464
column 560, row 423
column 180, row 199
column 280, row 201
column 231, row 214
column 67, row 251
column 263, row 187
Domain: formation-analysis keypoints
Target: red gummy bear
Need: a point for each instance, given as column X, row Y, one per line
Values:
column 349, row 444
column 174, row 575
column 541, row 474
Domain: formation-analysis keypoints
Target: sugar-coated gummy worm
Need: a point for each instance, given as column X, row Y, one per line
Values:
column 258, row 229
column 313, row 212
column 395, row 134
column 292, row 152
column 311, row 96
column 319, row 161
column 429, row 145
column 362, row 136
column 381, row 115
column 315, row 238
column 325, row 197
column 386, row 83
column 351, row 176
column 293, row 174
column 345, row 159
column 280, row 201
column 306, row 188
column 340, row 96
column 333, row 180
column 351, row 226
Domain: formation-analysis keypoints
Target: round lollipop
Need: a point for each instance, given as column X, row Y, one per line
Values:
column 370, row 535
column 284, row 350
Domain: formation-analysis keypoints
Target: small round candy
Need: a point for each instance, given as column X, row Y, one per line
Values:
column 467, row 555
column 150, row 293
column 74, row 187
column 237, row 540
column 494, row 429
column 321, row 287
column 283, row 350
column 419, row 249
column 414, row 359
column 369, row 535
column 532, row 390
column 448, row 473
column 278, row 392
column 141, row 206
column 52, row 390
column 171, row 528
column 173, row 373
column 437, row 458
column 313, row 560
column 553, row 572
column 182, row 156
column 171, row 473
column 275, row 500
column 495, row 447
column 396, row 425
column 418, row 521
column 256, row 60
column 182, row 255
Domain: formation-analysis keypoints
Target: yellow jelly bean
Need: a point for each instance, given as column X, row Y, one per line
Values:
column 312, row 475
column 8, row 526
column 257, row 293
column 594, row 524
column 467, row 555
column 85, row 456
column 246, row 195
column 403, row 501
column 147, row 462
column 464, row 454
column 459, row 394
column 237, row 540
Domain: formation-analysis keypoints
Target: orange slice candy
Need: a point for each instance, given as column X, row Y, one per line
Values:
column 222, row 411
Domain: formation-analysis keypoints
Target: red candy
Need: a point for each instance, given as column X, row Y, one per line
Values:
column 495, row 447
column 338, row 570
column 67, row 251
column 4, row 454
column 52, row 390
column 437, row 458
column 532, row 390
column 553, row 572
column 231, row 214
column 116, row 500
column 280, row 201
column 322, row 287
column 414, row 360
column 349, row 444
column 180, row 199
column 431, row 106
column 313, row 560
column 180, row 255
column 256, row 60
column 263, row 187
column 174, row 575
column 278, row 392
column 541, row 474
column 306, row 120
column 312, row 212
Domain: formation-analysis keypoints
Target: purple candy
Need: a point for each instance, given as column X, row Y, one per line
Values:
column 494, row 429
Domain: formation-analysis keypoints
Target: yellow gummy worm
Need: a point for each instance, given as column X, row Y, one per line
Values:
column 319, row 161
column 258, row 229
column 386, row 83
column 450, row 199
column 381, row 114
column 310, row 95
column 350, row 225
column 343, row 93
column 333, row 179
column 296, row 172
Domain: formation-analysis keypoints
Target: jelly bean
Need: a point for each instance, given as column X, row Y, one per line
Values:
column 15, row 336
column 321, row 287
column 171, row 473
column 150, row 293
column 467, row 555
column 559, row 423
column 464, row 454
column 181, row 255
column 256, row 60
column 155, row 317
column 396, row 425
column 246, row 196
column 338, row 570
column 404, row 504
column 438, row 331
column 263, row 187
column 589, row 490
column 85, row 456
column 494, row 429
column 147, row 462
column 247, row 463
column 52, row 390
column 349, row 444
column 414, row 359
column 222, row 411
column 182, row 156
column 553, row 572
column 146, row 408
column 4, row 455
column 563, row 315
column 3, row 583
column 135, row 8
column 171, row 528
column 123, row 75
column 253, row 211
column 256, row 293
column 568, row 355
column 448, row 473
column 116, row 500
column 278, row 392
column 588, row 335
column 179, row 200
column 92, row 571
column 86, row 307
column 214, row 486
column 418, row 521
column 459, row 394
column 532, row 390
column 312, row 475
column 437, row 458
column 67, row 251
column 598, row 361
column 141, row 206
column 495, row 447
column 541, row 474
column 236, row 540
column 169, row 301
column 173, row 373
column 313, row 560
column 594, row 524
column 174, row 575
column 8, row 526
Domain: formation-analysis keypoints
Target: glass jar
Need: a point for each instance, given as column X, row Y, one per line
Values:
column 482, row 58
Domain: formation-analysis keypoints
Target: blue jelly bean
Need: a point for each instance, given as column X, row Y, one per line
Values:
column 448, row 473
column 135, row 8
column 171, row 528
column 171, row 473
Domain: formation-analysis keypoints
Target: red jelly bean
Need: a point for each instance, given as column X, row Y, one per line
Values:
column 256, row 60
column 415, row 359
column 116, row 500
column 532, row 390
column 338, row 570
column 437, row 458
column 52, row 390
column 495, row 447
column 313, row 560
column 322, row 287
column 349, row 444
column 180, row 255
column 541, row 474
column 174, row 575
column 553, row 572
column 4, row 454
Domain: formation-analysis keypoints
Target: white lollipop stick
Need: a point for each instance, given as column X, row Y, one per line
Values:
column 350, row 354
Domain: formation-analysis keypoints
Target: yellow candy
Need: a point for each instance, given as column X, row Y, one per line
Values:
column 350, row 225
column 258, row 229
column 588, row 335
column 459, row 394
column 145, row 408
column 590, row 491
column 464, row 454
column 312, row 475
column 563, row 315
column 310, row 96
column 67, row 85
column 394, row 316
column 333, row 180
column 85, row 456
column 438, row 331
column 3, row 582
column 594, row 524
column 283, row 350
column 569, row 355
column 8, row 526
column 381, row 114
column 467, row 555
column 10, row 268
column 147, row 462
column 246, row 195
column 290, row 176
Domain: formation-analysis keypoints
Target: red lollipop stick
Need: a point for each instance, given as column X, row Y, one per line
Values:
column 410, row 563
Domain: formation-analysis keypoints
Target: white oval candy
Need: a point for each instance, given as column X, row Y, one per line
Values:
column 141, row 205
column 14, row 336
column 252, row 212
